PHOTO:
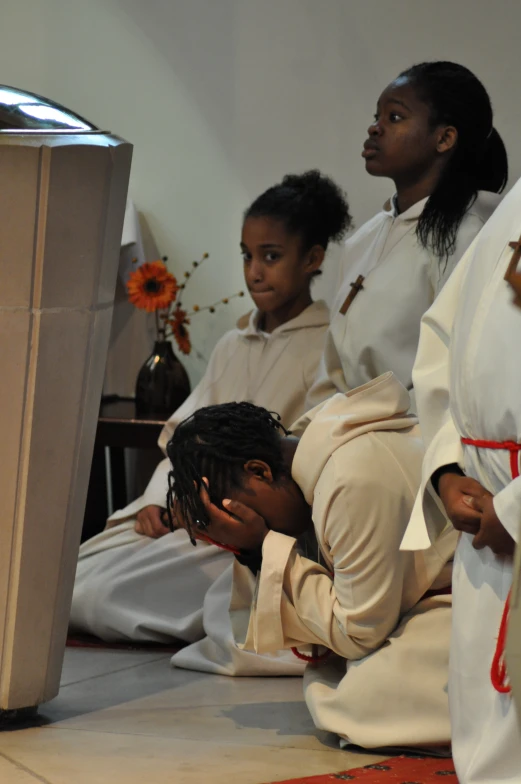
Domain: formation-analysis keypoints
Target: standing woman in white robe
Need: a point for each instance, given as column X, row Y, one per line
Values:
column 137, row 581
column 433, row 136
column 350, row 480
column 468, row 380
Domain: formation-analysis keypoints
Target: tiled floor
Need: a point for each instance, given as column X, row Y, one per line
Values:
column 129, row 717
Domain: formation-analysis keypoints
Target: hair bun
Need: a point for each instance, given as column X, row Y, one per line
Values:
column 321, row 202
column 309, row 204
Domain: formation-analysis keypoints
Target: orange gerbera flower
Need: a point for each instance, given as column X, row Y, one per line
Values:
column 152, row 287
column 179, row 323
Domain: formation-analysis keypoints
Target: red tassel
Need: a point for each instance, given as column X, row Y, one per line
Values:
column 498, row 671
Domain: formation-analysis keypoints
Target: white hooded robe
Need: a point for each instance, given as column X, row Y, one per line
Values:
column 468, row 384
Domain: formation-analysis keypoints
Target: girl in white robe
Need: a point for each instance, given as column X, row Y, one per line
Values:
column 151, row 588
column 351, row 479
column 468, row 380
column 433, row 136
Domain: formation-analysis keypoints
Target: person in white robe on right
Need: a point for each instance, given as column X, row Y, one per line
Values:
column 468, row 386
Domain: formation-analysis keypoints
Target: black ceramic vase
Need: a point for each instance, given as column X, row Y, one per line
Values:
column 162, row 383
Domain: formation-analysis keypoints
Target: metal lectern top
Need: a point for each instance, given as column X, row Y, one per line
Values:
column 24, row 112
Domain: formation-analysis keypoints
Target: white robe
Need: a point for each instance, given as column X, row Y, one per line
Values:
column 381, row 328
column 358, row 465
column 469, row 354
column 131, row 587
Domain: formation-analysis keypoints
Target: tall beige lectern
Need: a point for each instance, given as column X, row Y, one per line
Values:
column 62, row 202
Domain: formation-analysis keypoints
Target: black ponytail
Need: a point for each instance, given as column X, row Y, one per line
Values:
column 479, row 162
column 310, row 205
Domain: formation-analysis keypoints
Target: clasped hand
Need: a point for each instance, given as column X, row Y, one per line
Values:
column 470, row 509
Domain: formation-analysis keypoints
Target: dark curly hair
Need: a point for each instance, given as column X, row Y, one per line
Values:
column 215, row 442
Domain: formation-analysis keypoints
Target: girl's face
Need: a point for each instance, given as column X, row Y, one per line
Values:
column 402, row 144
column 276, row 270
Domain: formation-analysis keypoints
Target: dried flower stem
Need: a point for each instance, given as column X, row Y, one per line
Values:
column 214, row 305
column 188, row 275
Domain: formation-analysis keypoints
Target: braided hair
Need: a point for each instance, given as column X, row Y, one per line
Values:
column 309, row 205
column 456, row 97
column 215, row 442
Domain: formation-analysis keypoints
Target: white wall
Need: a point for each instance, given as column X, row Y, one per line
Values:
column 222, row 97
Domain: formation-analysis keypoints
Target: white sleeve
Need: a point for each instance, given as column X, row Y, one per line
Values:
column 430, row 374
column 431, row 385
column 507, row 504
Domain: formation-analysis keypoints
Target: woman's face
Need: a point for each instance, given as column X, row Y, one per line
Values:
column 276, row 270
column 402, row 144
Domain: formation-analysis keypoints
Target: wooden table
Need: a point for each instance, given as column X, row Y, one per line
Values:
column 119, row 428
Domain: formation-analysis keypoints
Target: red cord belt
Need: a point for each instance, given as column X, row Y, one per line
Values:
column 498, row 671
column 511, row 446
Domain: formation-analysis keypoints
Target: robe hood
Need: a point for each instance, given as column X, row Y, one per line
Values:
column 315, row 315
column 381, row 404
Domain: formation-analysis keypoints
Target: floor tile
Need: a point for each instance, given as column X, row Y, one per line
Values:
column 260, row 722
column 83, row 663
column 63, row 756
column 114, row 688
column 11, row 773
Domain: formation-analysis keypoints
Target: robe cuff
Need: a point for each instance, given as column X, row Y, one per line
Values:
column 268, row 631
column 428, row 519
column 507, row 505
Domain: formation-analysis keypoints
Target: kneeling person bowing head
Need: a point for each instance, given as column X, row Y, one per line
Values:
column 244, row 482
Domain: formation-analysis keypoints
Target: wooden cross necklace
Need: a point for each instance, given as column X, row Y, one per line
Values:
column 358, row 286
column 514, row 261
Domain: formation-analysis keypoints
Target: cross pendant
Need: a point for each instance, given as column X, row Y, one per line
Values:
column 514, row 261
column 355, row 288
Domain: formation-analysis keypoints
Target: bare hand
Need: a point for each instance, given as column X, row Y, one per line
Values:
column 151, row 522
column 455, row 492
column 492, row 532
column 238, row 527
